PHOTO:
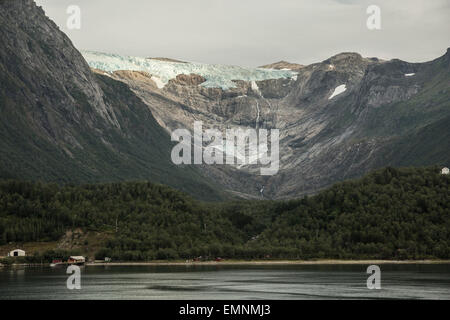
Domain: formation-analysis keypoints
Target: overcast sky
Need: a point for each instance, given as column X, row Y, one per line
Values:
column 257, row 32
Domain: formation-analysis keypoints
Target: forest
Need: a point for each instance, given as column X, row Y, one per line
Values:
column 390, row 213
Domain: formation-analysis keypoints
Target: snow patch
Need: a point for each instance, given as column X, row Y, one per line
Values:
column 255, row 88
column 338, row 90
column 409, row 74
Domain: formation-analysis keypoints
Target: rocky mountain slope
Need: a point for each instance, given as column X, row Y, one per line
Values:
column 338, row 118
column 61, row 122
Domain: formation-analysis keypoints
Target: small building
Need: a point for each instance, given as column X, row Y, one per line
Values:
column 17, row 253
column 445, row 170
column 76, row 260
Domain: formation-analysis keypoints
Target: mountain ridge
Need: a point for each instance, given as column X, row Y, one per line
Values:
column 62, row 121
column 324, row 137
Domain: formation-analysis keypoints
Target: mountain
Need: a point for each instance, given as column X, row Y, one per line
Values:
column 68, row 117
column 60, row 122
column 338, row 119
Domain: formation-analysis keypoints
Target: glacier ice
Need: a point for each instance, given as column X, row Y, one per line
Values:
column 217, row 76
column 338, row 90
column 158, row 82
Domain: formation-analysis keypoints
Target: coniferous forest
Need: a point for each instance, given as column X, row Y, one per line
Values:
column 388, row 214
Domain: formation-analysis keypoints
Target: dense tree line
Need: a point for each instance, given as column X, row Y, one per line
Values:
column 388, row 214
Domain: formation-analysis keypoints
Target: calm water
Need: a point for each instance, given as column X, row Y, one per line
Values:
column 227, row 282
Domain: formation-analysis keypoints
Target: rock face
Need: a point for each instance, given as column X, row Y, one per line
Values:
column 39, row 52
column 338, row 119
column 188, row 79
column 61, row 122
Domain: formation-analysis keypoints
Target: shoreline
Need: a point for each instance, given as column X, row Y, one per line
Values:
column 244, row 263
column 269, row 263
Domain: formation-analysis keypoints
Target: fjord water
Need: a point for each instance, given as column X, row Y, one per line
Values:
column 412, row 281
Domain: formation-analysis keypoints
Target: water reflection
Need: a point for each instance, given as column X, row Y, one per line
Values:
column 228, row 282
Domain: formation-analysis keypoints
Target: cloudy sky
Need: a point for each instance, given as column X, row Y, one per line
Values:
column 257, row 32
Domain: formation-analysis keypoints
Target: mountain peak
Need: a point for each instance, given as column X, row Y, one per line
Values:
column 345, row 56
column 280, row 65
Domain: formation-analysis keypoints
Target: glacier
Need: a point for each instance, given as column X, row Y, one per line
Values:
column 217, row 76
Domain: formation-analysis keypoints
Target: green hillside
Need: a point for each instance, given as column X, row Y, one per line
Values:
column 388, row 214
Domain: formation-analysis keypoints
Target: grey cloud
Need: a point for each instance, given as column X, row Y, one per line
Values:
column 256, row 32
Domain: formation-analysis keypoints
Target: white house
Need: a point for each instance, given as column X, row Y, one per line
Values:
column 16, row 253
column 445, row 170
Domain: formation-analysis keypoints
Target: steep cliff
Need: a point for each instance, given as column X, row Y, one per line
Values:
column 61, row 122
